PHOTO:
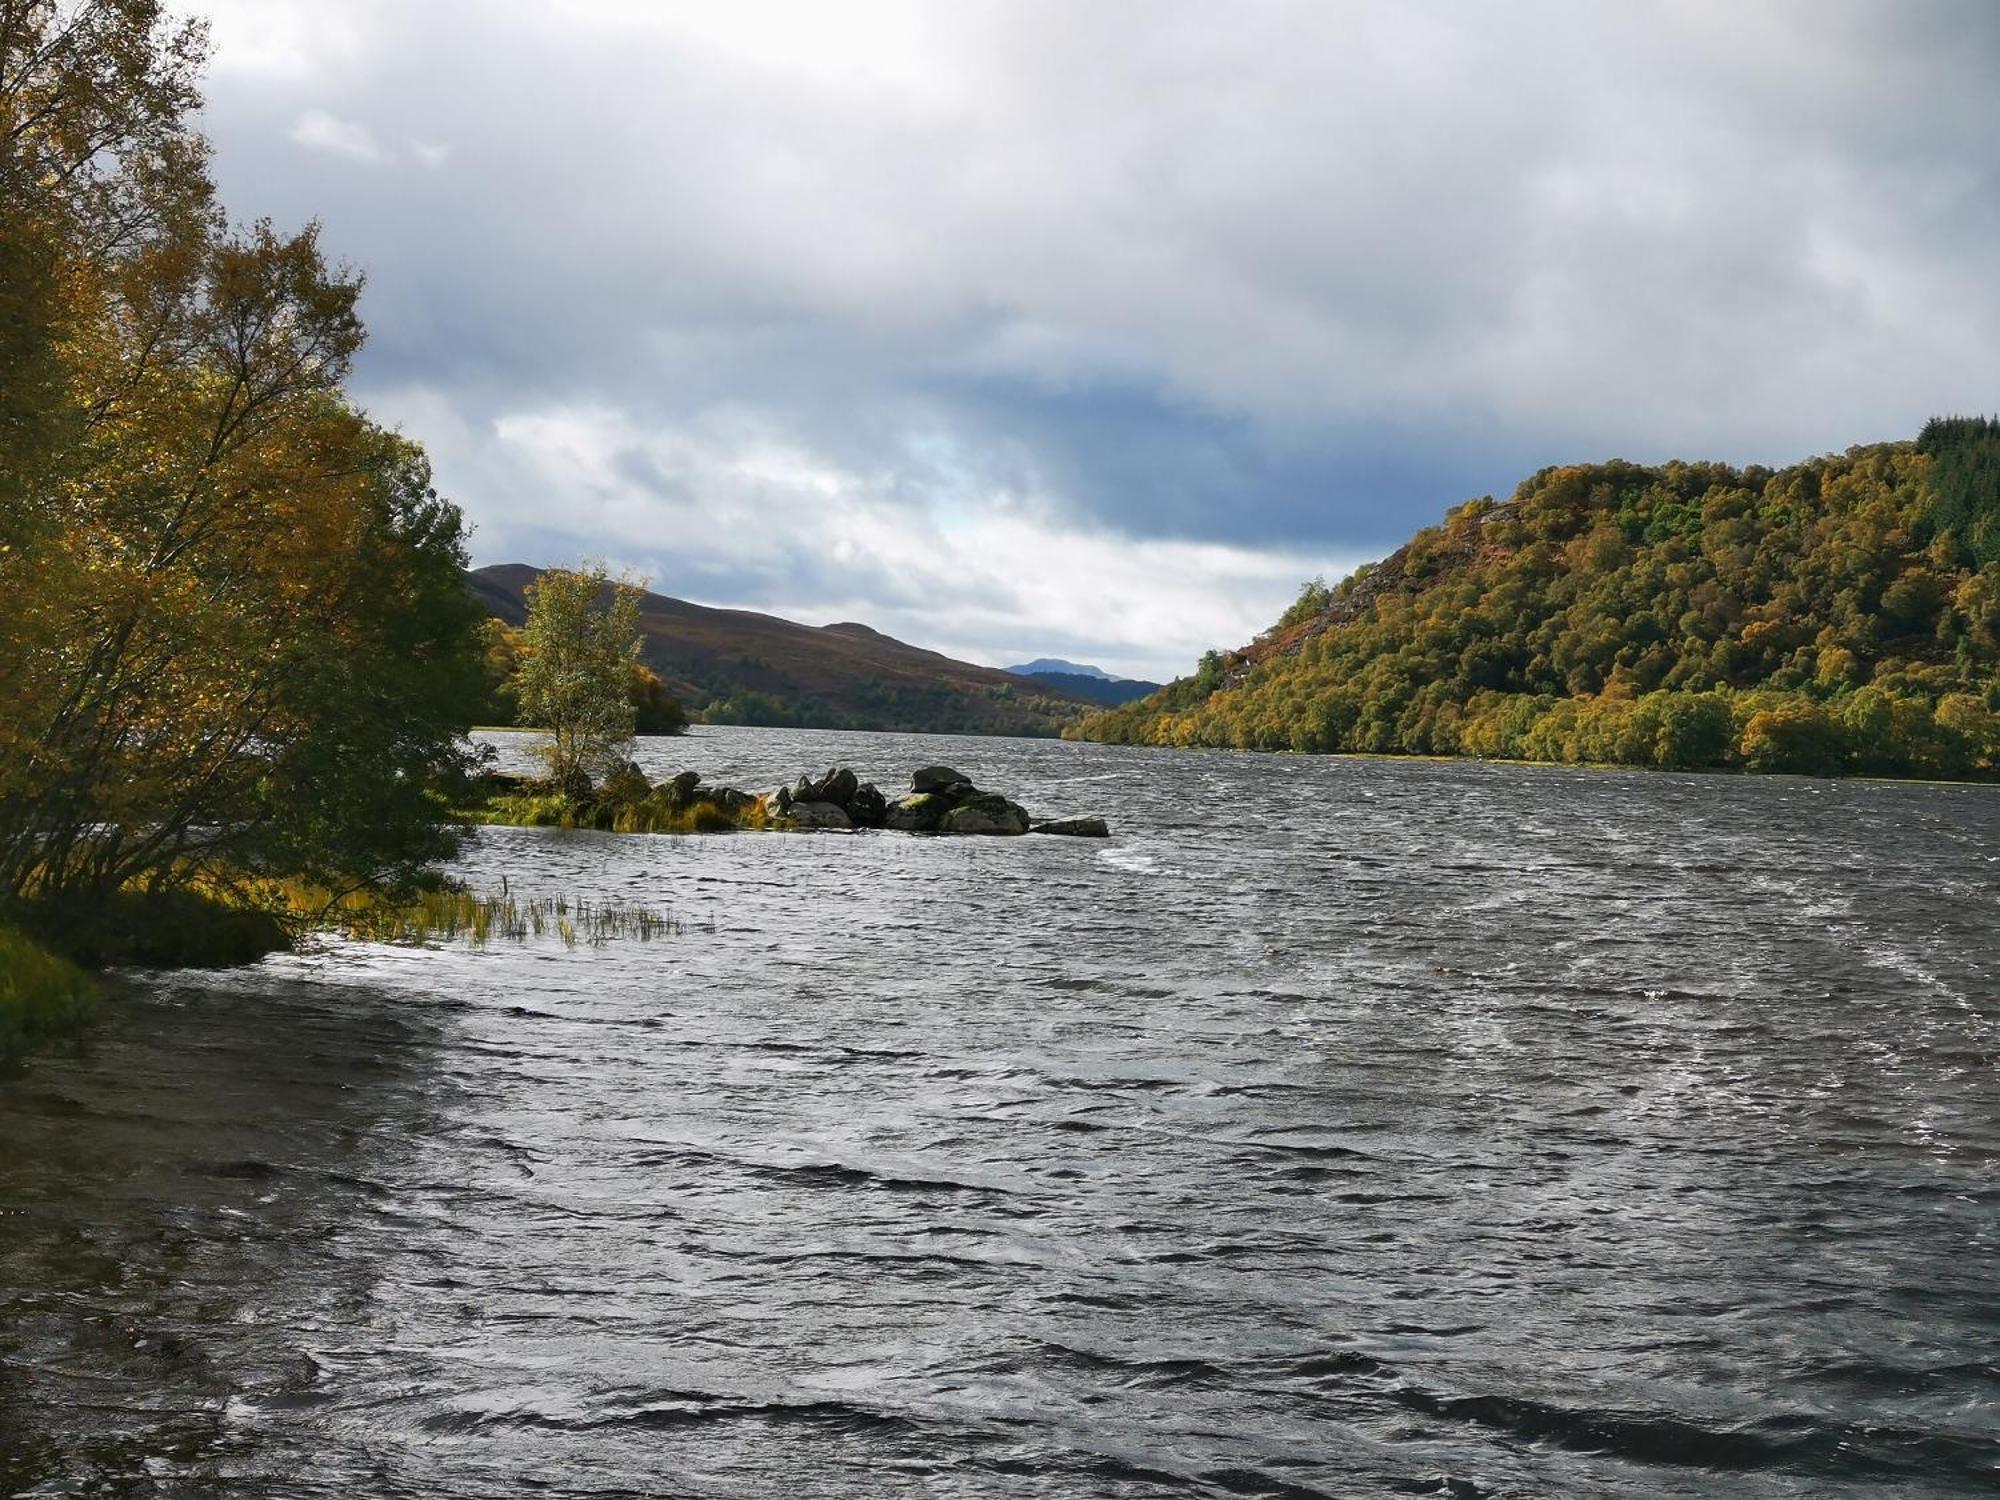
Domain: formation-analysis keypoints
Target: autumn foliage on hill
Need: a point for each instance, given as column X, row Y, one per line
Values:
column 736, row 666
column 1839, row 615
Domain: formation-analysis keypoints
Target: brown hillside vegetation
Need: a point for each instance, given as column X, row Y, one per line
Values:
column 735, row 666
column 1839, row 615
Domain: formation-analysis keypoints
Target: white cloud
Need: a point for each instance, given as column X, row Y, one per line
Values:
column 281, row 42
column 995, row 578
column 1290, row 278
column 320, row 131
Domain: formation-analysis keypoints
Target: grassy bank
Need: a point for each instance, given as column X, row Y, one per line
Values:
column 176, row 929
column 47, row 990
column 43, row 996
column 611, row 808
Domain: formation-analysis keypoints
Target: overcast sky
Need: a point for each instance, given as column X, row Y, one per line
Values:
column 1091, row 329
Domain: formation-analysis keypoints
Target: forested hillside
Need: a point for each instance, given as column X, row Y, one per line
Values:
column 735, row 666
column 1839, row 615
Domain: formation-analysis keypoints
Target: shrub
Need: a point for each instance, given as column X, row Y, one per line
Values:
column 42, row 996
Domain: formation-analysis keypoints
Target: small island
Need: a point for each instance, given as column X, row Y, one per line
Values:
column 941, row 800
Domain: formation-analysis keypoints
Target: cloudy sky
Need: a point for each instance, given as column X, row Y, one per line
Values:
column 1090, row 329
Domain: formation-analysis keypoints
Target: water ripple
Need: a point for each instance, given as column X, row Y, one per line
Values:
column 1338, row 1129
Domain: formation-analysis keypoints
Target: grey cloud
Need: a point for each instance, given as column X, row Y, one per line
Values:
column 1290, row 275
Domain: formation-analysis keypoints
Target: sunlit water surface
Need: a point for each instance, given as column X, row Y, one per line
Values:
column 1338, row 1128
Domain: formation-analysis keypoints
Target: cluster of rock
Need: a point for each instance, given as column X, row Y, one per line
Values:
column 685, row 791
column 625, row 789
column 940, row 800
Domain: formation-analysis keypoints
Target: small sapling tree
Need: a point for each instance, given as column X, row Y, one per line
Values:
column 577, row 650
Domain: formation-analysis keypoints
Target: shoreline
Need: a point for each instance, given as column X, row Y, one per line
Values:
column 1391, row 757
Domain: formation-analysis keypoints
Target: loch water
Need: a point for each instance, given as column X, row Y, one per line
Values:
column 1337, row 1128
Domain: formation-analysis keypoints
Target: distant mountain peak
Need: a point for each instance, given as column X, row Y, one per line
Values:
column 1043, row 666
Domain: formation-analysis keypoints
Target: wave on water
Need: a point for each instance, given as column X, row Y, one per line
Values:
column 1338, row 1128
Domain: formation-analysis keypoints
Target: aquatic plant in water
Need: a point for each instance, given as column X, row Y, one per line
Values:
column 448, row 914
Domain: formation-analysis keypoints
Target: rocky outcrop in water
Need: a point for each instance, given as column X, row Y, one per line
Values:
column 1076, row 828
column 940, row 800
column 685, row 792
column 839, row 799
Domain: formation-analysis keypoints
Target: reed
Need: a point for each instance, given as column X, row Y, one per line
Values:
column 450, row 914
column 223, row 919
column 42, row 996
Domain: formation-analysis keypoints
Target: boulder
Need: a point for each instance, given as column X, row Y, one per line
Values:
column 987, row 813
column 920, row 812
column 819, row 815
column 728, row 798
column 1076, row 828
column 680, row 790
column 944, row 800
column 868, row 807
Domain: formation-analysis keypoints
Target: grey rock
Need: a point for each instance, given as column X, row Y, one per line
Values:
column 625, row 782
column 937, row 779
column 868, row 807
column 819, row 815
column 920, row 812
column 1076, row 828
column 986, row 814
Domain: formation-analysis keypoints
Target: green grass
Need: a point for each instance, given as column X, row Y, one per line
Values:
column 226, row 919
column 43, row 997
column 204, row 928
column 651, row 814
column 46, row 991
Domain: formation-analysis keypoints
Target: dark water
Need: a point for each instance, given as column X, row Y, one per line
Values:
column 1340, row 1128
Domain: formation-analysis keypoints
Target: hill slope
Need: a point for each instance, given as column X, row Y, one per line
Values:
column 1842, row 614
column 735, row 666
column 1105, row 692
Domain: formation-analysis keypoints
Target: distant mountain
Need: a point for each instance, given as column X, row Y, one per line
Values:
column 734, row 666
column 1092, row 683
column 1107, row 692
column 1055, row 666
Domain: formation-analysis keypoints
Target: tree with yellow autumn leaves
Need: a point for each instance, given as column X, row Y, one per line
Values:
column 233, row 629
